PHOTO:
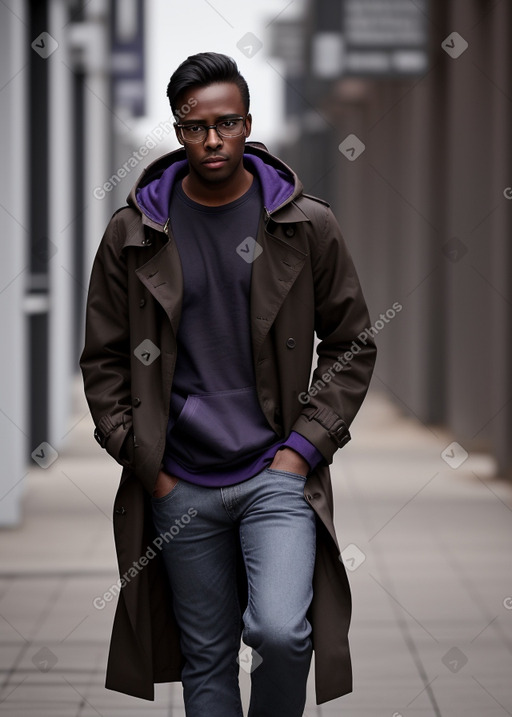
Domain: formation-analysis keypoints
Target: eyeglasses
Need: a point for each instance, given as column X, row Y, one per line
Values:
column 232, row 127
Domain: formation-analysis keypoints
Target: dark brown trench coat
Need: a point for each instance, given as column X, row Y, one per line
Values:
column 303, row 282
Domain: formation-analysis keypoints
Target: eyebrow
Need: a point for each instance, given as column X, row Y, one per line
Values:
column 231, row 115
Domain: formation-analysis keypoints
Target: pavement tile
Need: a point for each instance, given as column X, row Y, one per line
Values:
column 429, row 599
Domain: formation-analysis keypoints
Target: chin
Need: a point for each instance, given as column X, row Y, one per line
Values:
column 214, row 177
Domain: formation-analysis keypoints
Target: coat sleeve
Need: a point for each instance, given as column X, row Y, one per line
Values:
column 105, row 359
column 346, row 349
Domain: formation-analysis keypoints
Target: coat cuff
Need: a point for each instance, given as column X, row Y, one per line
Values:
column 305, row 448
column 116, row 438
column 324, row 429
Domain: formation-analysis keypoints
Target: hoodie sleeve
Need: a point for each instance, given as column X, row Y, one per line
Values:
column 305, row 448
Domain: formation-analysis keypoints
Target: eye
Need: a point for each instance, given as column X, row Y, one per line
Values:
column 228, row 124
column 193, row 128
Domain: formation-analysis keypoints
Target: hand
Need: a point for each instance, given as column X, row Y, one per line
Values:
column 289, row 460
column 164, row 484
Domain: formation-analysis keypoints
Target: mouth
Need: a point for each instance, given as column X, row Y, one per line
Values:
column 214, row 162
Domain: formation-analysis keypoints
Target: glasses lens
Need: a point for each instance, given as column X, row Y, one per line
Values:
column 230, row 128
column 193, row 133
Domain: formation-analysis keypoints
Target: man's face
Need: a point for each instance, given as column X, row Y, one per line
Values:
column 216, row 159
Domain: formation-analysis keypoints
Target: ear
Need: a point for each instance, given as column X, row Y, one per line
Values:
column 248, row 125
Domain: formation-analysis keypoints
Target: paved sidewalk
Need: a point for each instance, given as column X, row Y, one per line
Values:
column 427, row 546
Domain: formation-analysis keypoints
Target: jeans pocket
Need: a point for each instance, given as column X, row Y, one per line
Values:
column 167, row 497
column 287, row 473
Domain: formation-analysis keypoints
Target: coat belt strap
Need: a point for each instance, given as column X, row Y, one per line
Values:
column 334, row 425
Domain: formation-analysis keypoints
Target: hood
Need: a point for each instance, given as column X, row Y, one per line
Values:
column 152, row 192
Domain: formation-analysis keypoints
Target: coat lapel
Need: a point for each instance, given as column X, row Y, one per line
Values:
column 163, row 278
column 273, row 273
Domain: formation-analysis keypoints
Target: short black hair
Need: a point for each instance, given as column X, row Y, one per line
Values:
column 202, row 70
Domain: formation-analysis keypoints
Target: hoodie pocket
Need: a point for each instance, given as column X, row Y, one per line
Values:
column 219, row 429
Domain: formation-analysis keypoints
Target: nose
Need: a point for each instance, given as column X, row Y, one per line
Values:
column 213, row 140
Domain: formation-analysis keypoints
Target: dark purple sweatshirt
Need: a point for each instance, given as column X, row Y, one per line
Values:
column 217, row 433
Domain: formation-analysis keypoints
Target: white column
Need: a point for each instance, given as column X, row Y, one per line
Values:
column 92, row 36
column 14, row 49
column 60, row 221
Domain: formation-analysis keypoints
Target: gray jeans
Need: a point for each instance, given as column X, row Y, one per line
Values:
column 275, row 525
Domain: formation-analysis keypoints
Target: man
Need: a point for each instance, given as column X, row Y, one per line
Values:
column 205, row 296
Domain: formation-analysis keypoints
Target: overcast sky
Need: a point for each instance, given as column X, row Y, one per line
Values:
column 176, row 30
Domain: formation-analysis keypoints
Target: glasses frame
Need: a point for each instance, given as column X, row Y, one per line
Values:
column 208, row 127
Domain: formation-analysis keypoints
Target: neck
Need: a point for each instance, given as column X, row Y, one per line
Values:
column 214, row 194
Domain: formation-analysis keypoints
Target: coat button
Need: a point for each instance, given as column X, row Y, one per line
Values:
column 120, row 511
column 142, row 303
column 289, row 231
column 291, row 343
column 136, row 402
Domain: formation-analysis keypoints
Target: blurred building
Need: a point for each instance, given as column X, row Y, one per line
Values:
column 399, row 114
column 71, row 72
